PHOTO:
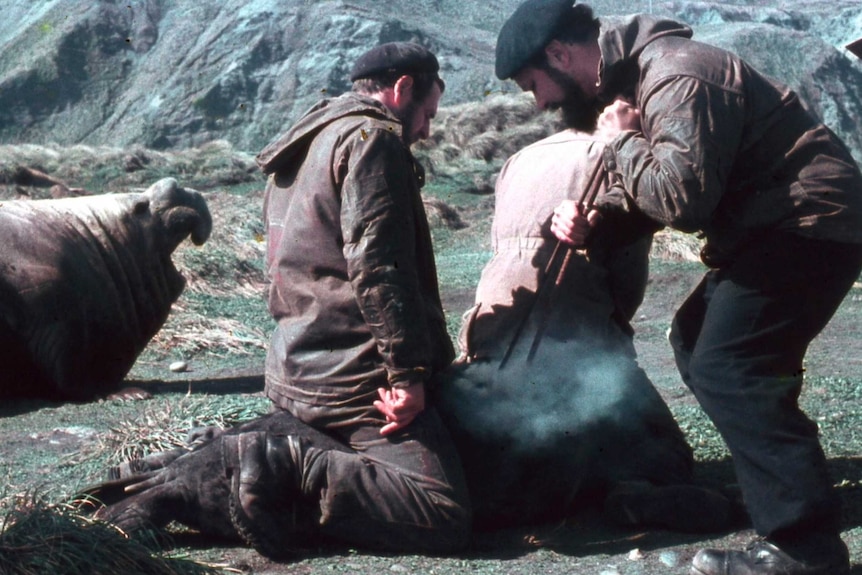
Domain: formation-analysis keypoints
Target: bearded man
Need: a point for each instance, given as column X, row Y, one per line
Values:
column 353, row 453
column 360, row 327
column 722, row 151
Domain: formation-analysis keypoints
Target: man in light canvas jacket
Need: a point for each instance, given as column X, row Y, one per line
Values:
column 548, row 405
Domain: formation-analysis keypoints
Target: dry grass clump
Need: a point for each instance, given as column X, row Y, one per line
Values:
column 676, row 246
column 36, row 538
column 101, row 169
column 166, row 426
column 188, row 334
column 490, row 130
column 442, row 215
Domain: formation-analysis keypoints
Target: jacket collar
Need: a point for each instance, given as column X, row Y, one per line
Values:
column 621, row 41
column 280, row 151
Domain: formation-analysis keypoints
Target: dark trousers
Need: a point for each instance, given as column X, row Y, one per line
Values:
column 739, row 341
column 404, row 492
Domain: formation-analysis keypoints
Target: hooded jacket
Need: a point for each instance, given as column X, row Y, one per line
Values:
column 723, row 150
column 353, row 280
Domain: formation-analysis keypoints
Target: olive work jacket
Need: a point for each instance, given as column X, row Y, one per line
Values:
column 723, row 150
column 353, row 282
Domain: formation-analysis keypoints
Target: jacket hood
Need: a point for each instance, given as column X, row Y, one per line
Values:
column 297, row 138
column 622, row 39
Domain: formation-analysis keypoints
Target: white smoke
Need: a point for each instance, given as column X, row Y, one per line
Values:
column 569, row 388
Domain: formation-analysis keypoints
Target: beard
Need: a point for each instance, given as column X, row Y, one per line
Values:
column 577, row 110
column 406, row 117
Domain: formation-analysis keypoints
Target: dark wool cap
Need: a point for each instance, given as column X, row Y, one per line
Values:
column 394, row 57
column 527, row 32
column 856, row 47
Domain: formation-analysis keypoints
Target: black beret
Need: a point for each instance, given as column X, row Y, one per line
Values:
column 527, row 32
column 394, row 57
column 856, row 47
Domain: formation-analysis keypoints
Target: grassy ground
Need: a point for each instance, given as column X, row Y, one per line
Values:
column 220, row 328
column 55, row 449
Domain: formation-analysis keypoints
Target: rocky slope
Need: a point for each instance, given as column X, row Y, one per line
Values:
column 179, row 73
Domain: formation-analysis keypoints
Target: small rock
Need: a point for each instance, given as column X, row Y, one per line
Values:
column 179, row 367
column 635, row 555
column 668, row 558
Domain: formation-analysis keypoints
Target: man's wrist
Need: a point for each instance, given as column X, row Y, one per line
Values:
column 403, row 378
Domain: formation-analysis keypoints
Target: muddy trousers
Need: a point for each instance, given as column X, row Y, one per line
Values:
column 739, row 341
column 404, row 492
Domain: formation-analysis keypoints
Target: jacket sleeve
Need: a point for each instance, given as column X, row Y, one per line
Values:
column 676, row 170
column 380, row 234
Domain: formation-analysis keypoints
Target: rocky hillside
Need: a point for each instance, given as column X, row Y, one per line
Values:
column 179, row 73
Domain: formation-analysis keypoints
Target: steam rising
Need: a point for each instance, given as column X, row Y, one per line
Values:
column 533, row 434
column 565, row 389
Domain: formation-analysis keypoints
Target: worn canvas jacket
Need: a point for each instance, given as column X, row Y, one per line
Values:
column 353, row 280
column 599, row 291
column 724, row 150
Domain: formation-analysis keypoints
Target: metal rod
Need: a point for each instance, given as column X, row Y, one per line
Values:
column 585, row 203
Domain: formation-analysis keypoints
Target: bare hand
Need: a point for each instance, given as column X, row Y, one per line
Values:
column 618, row 116
column 400, row 405
column 570, row 226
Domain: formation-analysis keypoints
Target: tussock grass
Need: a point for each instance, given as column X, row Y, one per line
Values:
column 101, row 169
column 676, row 246
column 37, row 538
column 165, row 426
column 442, row 215
column 232, row 261
column 193, row 332
column 489, row 130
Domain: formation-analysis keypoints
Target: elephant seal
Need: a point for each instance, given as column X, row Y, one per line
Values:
column 213, row 483
column 86, row 282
